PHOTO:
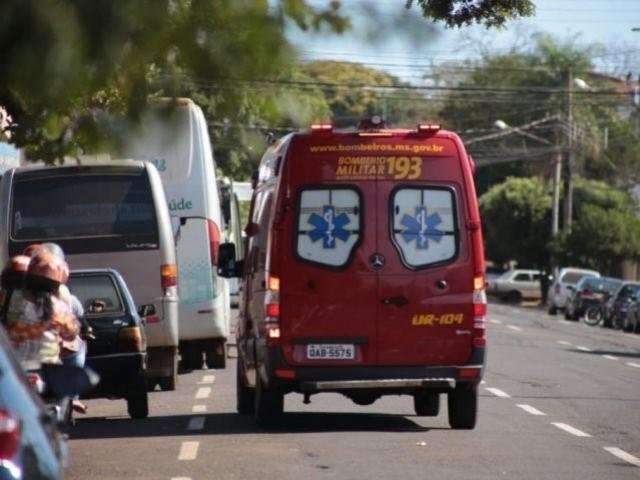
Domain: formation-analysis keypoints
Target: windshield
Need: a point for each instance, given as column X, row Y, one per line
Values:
column 71, row 206
column 573, row 278
column 629, row 290
column 97, row 293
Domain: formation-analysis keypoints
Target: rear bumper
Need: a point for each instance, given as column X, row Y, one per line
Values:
column 118, row 373
column 312, row 379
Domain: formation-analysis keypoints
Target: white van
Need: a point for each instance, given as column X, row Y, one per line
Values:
column 104, row 216
column 173, row 136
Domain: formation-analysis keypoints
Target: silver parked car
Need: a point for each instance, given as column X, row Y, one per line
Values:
column 516, row 285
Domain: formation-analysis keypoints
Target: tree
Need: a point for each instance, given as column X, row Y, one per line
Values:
column 352, row 92
column 521, row 87
column 492, row 13
column 516, row 222
column 67, row 63
column 606, row 229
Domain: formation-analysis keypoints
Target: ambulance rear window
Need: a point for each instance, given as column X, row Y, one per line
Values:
column 424, row 225
column 328, row 225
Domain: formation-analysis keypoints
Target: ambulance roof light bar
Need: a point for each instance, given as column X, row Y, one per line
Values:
column 428, row 127
column 321, row 127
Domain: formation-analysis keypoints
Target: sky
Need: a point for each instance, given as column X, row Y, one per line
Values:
column 402, row 45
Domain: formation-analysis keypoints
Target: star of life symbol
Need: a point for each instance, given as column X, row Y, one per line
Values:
column 329, row 226
column 422, row 228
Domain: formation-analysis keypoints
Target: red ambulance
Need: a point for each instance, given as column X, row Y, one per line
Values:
column 363, row 272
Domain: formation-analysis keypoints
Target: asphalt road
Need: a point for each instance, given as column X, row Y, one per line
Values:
column 560, row 401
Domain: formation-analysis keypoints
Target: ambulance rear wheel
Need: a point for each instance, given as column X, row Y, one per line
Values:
column 269, row 404
column 463, row 407
column 191, row 357
column 245, row 396
column 426, row 404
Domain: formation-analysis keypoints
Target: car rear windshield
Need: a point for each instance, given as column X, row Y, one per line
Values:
column 97, row 293
column 81, row 205
column 629, row 290
column 574, row 277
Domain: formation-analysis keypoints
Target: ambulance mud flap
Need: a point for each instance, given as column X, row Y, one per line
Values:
column 432, row 383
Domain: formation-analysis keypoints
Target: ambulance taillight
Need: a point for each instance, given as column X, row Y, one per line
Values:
column 272, row 310
column 479, row 312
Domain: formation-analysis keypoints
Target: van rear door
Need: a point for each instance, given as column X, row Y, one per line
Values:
column 425, row 312
column 327, row 290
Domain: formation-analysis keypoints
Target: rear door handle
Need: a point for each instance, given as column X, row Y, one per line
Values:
column 399, row 301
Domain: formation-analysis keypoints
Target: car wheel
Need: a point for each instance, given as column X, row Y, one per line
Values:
column 269, row 404
column 138, row 401
column 627, row 326
column 245, row 396
column 552, row 310
column 168, row 384
column 216, row 355
column 426, row 404
column 514, row 297
column 191, row 358
column 463, row 407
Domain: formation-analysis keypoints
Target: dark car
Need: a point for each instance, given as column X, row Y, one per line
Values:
column 118, row 351
column 31, row 446
column 589, row 291
column 620, row 303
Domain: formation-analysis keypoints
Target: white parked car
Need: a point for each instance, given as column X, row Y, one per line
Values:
column 559, row 291
column 516, row 285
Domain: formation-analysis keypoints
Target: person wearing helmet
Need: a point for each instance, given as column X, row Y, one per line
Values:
column 45, row 320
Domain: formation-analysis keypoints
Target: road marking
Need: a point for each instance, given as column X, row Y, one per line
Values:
column 482, row 382
column 199, row 408
column 567, row 321
column 180, row 478
column 610, row 357
column 497, row 392
column 207, row 379
column 621, row 454
column 196, row 423
column 584, row 349
column 564, row 342
column 188, row 450
column 203, row 392
column 631, row 364
column 497, row 322
column 530, row 409
column 513, row 327
column 571, row 430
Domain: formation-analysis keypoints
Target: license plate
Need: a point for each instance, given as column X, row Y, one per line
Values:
column 331, row 351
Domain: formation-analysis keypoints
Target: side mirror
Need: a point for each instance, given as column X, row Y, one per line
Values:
column 228, row 266
column 146, row 310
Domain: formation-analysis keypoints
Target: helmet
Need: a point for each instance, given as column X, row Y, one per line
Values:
column 46, row 272
column 54, row 249
column 14, row 272
column 31, row 250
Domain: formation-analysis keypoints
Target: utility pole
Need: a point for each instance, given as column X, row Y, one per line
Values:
column 568, row 183
column 555, row 207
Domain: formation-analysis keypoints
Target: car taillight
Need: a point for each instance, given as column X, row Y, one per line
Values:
column 272, row 310
column 168, row 276
column 9, row 435
column 479, row 312
column 130, row 339
column 36, row 382
column 214, row 241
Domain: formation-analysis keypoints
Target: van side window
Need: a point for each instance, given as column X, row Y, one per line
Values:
column 424, row 225
column 329, row 225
